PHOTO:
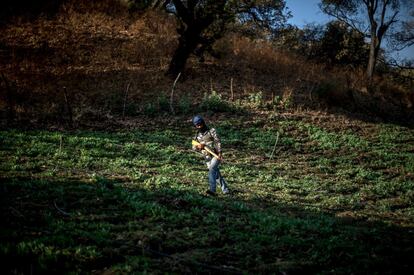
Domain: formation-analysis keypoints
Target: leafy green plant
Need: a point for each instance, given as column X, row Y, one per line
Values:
column 150, row 109
column 255, row 99
column 184, row 104
column 163, row 103
column 214, row 102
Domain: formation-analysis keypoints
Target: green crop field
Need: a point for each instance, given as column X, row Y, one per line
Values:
column 306, row 197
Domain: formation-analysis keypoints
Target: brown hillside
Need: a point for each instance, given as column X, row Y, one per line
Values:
column 89, row 63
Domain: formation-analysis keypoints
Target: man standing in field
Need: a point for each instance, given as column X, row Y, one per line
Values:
column 208, row 142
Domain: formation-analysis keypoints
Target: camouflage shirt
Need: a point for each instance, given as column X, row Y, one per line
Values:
column 210, row 139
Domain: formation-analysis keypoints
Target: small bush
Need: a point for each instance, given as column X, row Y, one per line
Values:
column 184, row 105
column 163, row 103
column 256, row 99
column 333, row 92
column 325, row 89
column 287, row 98
column 150, row 109
column 214, row 102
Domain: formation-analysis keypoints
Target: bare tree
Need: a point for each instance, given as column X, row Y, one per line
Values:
column 405, row 37
column 373, row 18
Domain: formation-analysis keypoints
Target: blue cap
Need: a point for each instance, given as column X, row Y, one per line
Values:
column 197, row 120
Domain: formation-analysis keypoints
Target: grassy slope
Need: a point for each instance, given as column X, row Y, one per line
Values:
column 336, row 197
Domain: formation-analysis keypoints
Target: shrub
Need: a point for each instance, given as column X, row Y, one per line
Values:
column 256, row 99
column 150, row 109
column 334, row 92
column 287, row 97
column 325, row 89
column 184, row 105
column 214, row 102
column 163, row 103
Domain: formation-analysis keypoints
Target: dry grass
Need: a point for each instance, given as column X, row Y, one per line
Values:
column 95, row 54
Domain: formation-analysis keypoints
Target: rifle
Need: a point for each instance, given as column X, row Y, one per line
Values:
column 195, row 143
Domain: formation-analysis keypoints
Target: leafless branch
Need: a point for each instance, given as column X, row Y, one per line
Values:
column 172, row 93
column 60, row 210
column 274, row 147
column 125, row 98
column 68, row 106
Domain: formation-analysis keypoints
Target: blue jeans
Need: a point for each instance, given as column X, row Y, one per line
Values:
column 214, row 175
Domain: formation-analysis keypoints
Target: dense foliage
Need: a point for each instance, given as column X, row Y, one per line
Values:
column 201, row 23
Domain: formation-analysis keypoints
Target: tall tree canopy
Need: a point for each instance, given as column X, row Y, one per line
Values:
column 373, row 18
column 342, row 45
column 334, row 43
column 201, row 22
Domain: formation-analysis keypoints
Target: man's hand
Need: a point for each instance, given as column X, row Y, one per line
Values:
column 220, row 155
column 200, row 146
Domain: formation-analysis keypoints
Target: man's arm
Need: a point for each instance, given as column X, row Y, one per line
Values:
column 217, row 142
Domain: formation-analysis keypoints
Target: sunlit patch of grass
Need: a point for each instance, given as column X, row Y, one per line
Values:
column 335, row 141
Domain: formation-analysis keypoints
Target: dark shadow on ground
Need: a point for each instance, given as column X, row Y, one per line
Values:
column 69, row 225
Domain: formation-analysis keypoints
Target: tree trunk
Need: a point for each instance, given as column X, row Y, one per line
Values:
column 373, row 55
column 371, row 62
column 186, row 46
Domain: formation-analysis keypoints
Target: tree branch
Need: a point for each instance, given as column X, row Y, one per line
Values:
column 384, row 8
column 346, row 20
